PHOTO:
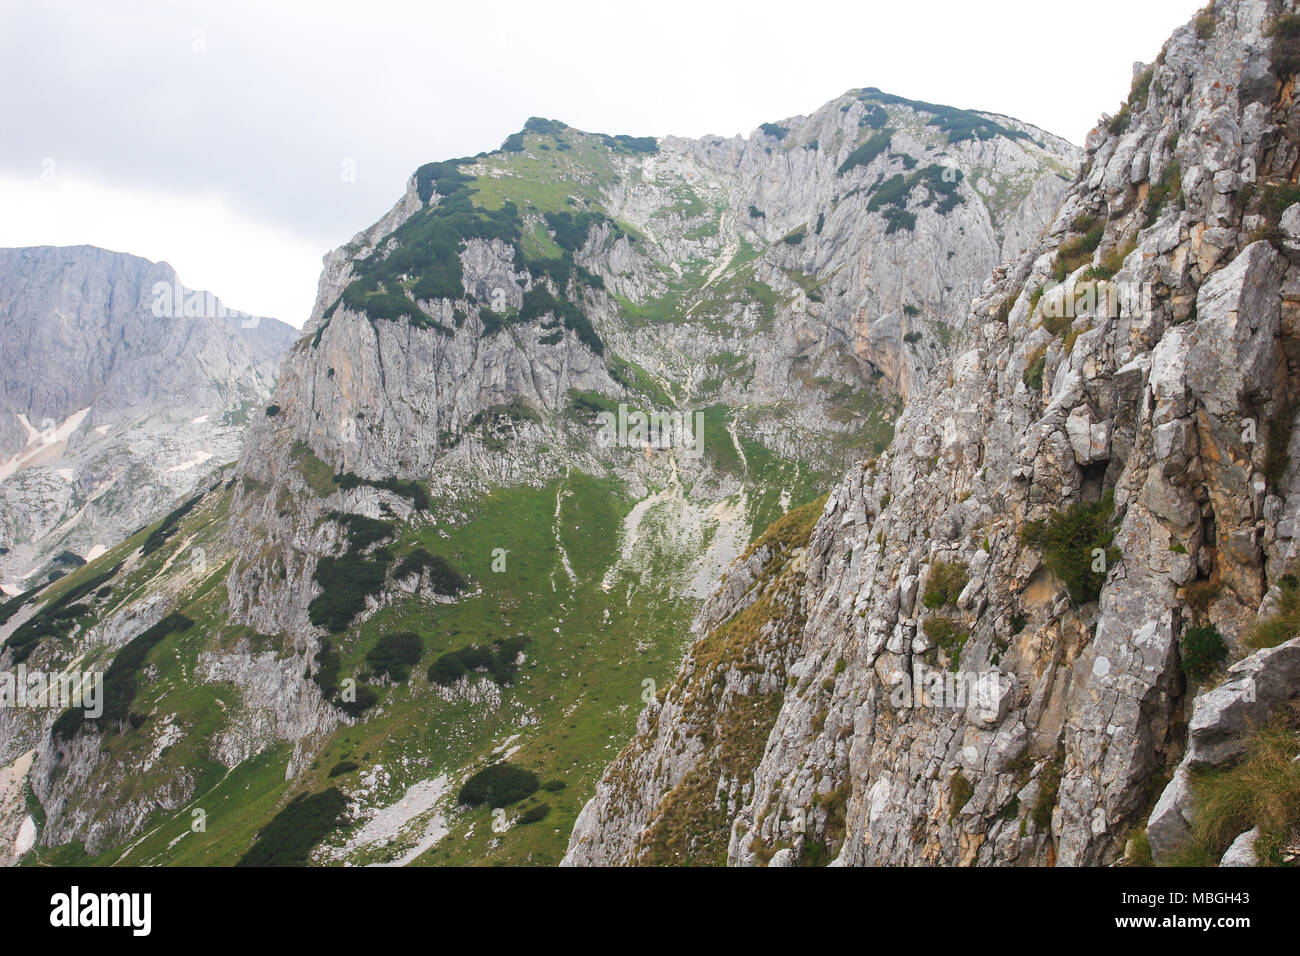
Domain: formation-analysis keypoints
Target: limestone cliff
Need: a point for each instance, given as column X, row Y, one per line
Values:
column 999, row 625
column 121, row 392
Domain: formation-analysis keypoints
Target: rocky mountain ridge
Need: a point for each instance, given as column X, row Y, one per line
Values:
column 987, row 647
column 429, row 478
column 122, row 391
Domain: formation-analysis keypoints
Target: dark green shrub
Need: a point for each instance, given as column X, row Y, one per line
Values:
column 365, row 699
column 395, row 655
column 272, row 411
column 447, row 669
column 121, row 679
column 347, row 581
column 959, row 124
column 875, row 117
column 498, row 786
column 554, row 786
column 536, row 814
column 498, row 659
column 1285, row 31
column 1033, row 377
column 342, row 767
column 1280, row 427
column 545, row 127
column 170, row 525
column 328, row 663
column 443, row 578
column 571, row 230
column 622, row 143
column 493, row 322
column 948, row 634
column 1049, row 788
column 1202, row 651
column 961, row 791
column 1068, row 539
column 296, row 830
column 868, row 151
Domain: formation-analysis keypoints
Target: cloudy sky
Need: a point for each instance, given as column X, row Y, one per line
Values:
column 240, row 140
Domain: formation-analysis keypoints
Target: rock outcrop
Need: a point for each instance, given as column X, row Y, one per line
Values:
column 990, row 669
column 121, row 391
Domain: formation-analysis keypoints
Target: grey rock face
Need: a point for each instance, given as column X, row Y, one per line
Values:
column 1150, row 399
column 1224, row 718
column 120, row 391
column 1170, row 825
column 1242, row 851
column 852, row 302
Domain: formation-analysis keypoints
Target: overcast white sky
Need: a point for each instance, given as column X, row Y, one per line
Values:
column 213, row 135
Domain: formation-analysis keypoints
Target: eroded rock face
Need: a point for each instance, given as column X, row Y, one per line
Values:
column 1146, row 412
column 121, row 391
column 767, row 276
column 779, row 286
column 1224, row 718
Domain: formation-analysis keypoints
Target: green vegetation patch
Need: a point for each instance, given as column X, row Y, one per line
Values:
column 1078, row 251
column 498, row 786
column 121, row 680
column 1261, row 792
column 497, row 659
column 1285, row 31
column 1284, row 623
column 56, row 619
column 1076, row 545
column 395, row 654
column 297, row 829
column 443, row 578
column 944, row 584
column 170, row 525
column 865, row 153
column 1202, row 651
column 347, row 580
column 958, row 124
column 412, row 490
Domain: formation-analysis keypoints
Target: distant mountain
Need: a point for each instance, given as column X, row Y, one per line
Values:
column 120, row 391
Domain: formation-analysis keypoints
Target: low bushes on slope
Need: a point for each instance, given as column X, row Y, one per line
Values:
column 120, row 680
column 1070, row 541
column 296, row 830
column 395, row 655
column 498, row 786
column 350, row 578
column 170, row 525
column 497, row 659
